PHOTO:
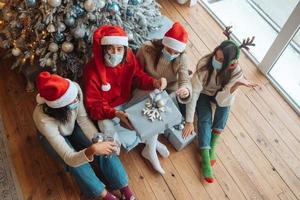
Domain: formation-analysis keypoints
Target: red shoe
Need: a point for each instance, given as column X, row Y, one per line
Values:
column 209, row 179
column 212, row 162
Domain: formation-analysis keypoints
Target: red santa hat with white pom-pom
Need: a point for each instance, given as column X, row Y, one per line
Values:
column 106, row 35
column 176, row 38
column 55, row 91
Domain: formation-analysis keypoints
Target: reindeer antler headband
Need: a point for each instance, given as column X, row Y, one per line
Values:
column 245, row 44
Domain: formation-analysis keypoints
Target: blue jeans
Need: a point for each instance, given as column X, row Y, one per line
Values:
column 205, row 123
column 89, row 184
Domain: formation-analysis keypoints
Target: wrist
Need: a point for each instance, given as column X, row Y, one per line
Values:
column 233, row 88
column 90, row 151
column 117, row 113
column 154, row 83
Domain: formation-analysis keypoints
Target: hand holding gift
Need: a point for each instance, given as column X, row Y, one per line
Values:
column 188, row 129
column 160, row 84
column 104, row 148
column 183, row 92
column 124, row 121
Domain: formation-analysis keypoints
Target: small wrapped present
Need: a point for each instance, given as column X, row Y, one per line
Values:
column 174, row 136
column 153, row 114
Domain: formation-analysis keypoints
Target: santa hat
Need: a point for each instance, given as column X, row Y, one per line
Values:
column 55, row 91
column 106, row 35
column 176, row 38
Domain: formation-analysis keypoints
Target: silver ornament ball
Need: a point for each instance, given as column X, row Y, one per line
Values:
column 53, row 47
column 78, row 32
column 31, row 3
column 67, row 47
column 16, row 51
column 181, row 127
column 54, row 3
column 48, row 62
column 160, row 103
column 100, row 4
column 142, row 21
column 69, row 21
column 91, row 16
column 113, row 7
column 61, row 27
column 51, row 28
column 89, row 5
column 130, row 35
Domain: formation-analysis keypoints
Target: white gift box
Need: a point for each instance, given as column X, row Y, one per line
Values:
column 146, row 127
column 174, row 136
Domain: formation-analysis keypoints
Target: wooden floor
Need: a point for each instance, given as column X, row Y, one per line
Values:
column 258, row 155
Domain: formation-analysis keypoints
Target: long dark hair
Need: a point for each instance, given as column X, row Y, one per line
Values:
column 61, row 114
column 105, row 47
column 224, row 75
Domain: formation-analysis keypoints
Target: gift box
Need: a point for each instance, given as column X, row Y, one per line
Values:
column 153, row 114
column 174, row 136
column 100, row 137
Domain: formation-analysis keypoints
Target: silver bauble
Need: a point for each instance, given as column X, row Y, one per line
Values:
column 160, row 103
column 67, row 47
column 51, row 28
column 53, row 47
column 61, row 27
column 91, row 16
column 69, row 21
column 130, row 35
column 100, row 4
column 16, row 51
column 181, row 127
column 142, row 21
column 30, row 3
column 89, row 5
column 78, row 32
column 54, row 3
column 49, row 62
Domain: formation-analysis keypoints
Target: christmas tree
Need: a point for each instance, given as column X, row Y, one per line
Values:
column 58, row 33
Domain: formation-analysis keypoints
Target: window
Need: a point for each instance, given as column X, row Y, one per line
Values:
column 275, row 24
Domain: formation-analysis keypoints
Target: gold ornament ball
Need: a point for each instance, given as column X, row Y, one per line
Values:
column 67, row 47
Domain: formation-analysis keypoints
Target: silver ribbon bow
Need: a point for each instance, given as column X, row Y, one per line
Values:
column 154, row 106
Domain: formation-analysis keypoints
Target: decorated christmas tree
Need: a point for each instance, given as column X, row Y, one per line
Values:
column 58, row 33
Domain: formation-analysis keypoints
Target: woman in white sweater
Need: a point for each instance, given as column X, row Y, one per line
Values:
column 66, row 132
column 216, row 80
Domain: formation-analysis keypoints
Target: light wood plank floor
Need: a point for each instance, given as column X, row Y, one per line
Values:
column 258, row 155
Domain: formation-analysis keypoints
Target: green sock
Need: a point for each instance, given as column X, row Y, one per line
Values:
column 213, row 143
column 206, row 168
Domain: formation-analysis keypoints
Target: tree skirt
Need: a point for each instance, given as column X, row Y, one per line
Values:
column 9, row 186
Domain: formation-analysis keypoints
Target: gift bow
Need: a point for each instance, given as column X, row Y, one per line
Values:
column 155, row 105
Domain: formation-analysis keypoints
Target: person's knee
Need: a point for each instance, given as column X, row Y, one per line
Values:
column 106, row 125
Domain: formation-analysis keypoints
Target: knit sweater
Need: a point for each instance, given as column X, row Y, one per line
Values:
column 222, row 95
column 54, row 131
column 123, row 79
column 176, row 72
